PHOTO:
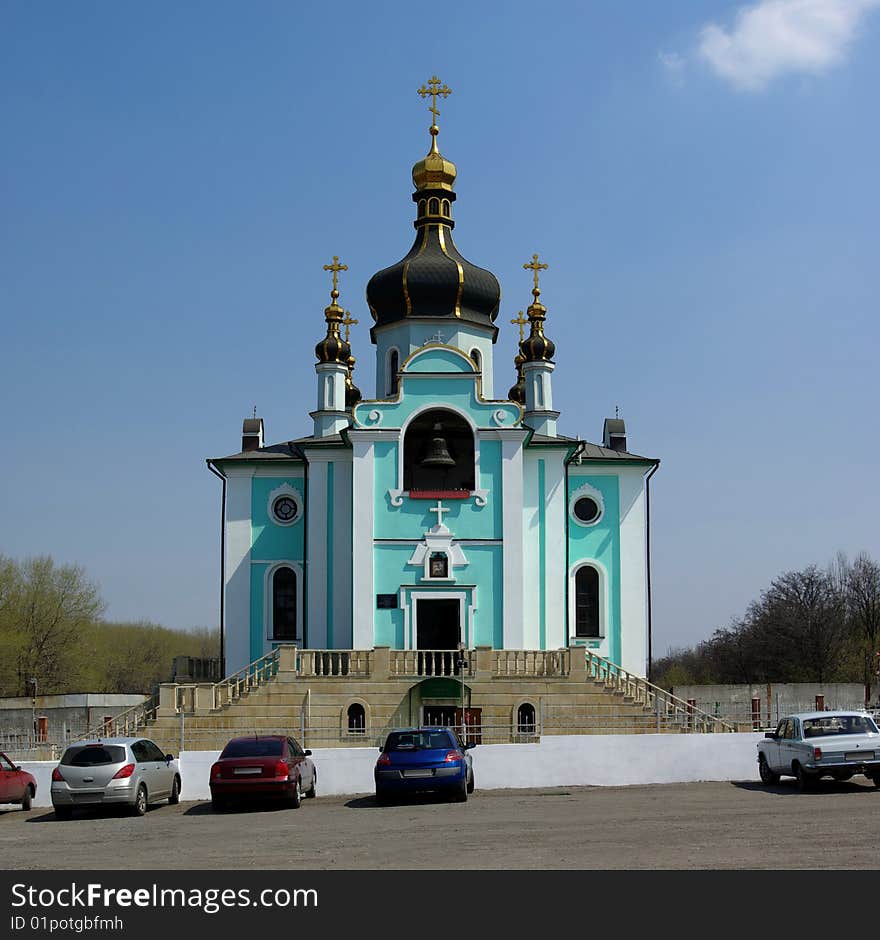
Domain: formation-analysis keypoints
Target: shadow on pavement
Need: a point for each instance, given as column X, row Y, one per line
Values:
column 790, row 787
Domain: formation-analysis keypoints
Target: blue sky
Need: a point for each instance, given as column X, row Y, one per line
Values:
column 700, row 176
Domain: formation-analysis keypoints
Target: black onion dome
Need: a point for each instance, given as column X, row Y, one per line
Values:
column 517, row 392
column 333, row 348
column 434, row 280
column 536, row 347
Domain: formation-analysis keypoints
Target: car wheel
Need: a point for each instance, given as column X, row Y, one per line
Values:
column 876, row 780
column 805, row 780
column 460, row 794
column 219, row 804
column 140, row 801
column 312, row 791
column 63, row 812
column 768, row 776
column 470, row 785
column 294, row 800
column 28, row 798
column 174, row 798
column 383, row 797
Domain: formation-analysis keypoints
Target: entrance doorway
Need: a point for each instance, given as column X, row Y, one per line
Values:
column 467, row 724
column 438, row 624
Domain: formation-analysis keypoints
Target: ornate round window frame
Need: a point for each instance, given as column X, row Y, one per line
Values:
column 587, row 491
column 285, row 491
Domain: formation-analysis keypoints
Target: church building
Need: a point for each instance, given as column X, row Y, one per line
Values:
column 446, row 512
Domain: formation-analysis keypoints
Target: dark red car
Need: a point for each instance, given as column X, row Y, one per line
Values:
column 265, row 765
column 16, row 785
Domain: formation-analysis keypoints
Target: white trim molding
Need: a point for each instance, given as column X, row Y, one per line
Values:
column 480, row 497
column 585, row 490
column 285, row 490
column 604, row 601
column 268, row 607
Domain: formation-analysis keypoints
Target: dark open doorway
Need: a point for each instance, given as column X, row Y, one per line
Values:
column 438, row 623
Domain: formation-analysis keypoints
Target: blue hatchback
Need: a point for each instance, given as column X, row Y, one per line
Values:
column 415, row 759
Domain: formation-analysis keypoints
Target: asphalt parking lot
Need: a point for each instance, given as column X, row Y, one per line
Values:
column 679, row 826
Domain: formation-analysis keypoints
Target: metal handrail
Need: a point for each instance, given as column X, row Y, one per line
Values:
column 125, row 724
column 250, row 677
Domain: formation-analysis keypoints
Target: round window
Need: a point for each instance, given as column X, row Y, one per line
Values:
column 586, row 509
column 284, row 509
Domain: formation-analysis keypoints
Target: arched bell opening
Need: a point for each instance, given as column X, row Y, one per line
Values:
column 438, row 453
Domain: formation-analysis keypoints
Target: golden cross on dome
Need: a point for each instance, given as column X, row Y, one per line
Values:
column 521, row 321
column 534, row 266
column 435, row 90
column 336, row 267
column 348, row 322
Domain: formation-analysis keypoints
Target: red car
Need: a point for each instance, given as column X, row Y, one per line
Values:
column 267, row 765
column 16, row 785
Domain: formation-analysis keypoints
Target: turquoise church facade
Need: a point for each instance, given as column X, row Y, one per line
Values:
column 438, row 514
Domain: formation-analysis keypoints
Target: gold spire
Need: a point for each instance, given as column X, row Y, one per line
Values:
column 333, row 348
column 536, row 346
column 435, row 91
column 348, row 323
column 520, row 321
column 535, row 267
column 434, row 171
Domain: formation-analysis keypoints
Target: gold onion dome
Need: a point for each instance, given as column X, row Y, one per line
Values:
column 434, row 171
column 536, row 347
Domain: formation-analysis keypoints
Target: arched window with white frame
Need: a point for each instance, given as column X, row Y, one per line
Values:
column 393, row 368
column 588, row 619
column 284, row 605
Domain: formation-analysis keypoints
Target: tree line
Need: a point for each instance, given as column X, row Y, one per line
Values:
column 813, row 625
column 52, row 630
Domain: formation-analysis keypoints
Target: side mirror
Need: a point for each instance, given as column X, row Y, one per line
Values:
column 307, row 753
column 169, row 758
column 770, row 734
column 468, row 747
column 381, row 749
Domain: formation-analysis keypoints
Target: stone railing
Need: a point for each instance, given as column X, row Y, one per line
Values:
column 333, row 663
column 426, row 663
column 531, row 663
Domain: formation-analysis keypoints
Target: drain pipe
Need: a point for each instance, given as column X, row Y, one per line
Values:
column 222, row 476
column 651, row 473
column 575, row 453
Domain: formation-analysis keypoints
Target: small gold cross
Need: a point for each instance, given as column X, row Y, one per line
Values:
column 521, row 321
column 336, row 267
column 434, row 90
column 533, row 265
column 348, row 322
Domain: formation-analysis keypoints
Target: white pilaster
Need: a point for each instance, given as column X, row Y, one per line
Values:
column 363, row 600
column 237, row 568
column 633, row 572
column 512, row 534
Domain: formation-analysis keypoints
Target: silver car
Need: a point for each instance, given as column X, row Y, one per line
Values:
column 811, row 745
column 131, row 772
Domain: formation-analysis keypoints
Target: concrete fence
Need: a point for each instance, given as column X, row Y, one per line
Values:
column 556, row 761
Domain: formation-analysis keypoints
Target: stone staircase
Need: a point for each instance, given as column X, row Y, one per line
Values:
column 308, row 693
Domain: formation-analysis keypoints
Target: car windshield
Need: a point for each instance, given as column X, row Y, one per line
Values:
column 838, row 724
column 418, row 740
column 93, row 755
column 253, row 747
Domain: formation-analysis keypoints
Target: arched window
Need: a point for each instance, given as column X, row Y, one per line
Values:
column 284, row 604
column 586, row 602
column 478, row 359
column 357, row 719
column 445, row 208
column 438, row 452
column 525, row 718
column 421, row 211
column 393, row 366
column 433, row 206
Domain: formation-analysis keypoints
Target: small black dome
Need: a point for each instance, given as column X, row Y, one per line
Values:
column 434, row 280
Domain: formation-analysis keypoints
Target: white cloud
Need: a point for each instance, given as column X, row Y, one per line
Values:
column 775, row 37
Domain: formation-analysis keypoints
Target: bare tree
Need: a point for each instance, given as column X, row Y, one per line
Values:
column 861, row 584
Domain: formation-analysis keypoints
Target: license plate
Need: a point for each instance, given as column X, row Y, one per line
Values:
column 247, row 770
column 87, row 797
column 859, row 755
column 418, row 773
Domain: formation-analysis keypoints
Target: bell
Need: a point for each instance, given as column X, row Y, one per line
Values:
column 437, row 453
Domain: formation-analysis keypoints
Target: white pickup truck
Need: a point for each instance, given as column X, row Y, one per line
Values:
column 821, row 744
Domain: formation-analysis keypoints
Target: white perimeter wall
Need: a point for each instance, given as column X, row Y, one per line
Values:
column 557, row 761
